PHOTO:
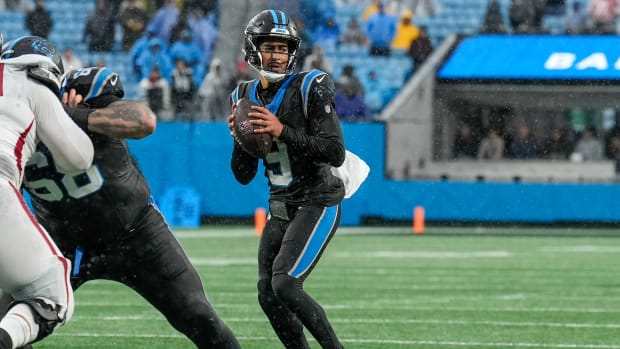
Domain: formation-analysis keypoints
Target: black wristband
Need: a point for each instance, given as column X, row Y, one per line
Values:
column 79, row 115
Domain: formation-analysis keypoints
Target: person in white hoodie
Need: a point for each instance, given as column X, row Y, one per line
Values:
column 32, row 269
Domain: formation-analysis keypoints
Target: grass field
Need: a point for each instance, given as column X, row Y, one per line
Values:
column 447, row 288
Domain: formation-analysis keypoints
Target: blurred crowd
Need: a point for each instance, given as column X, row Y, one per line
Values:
column 381, row 29
column 169, row 44
column 576, row 134
column 578, row 16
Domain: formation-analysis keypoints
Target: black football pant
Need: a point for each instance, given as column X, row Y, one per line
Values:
column 288, row 251
column 150, row 260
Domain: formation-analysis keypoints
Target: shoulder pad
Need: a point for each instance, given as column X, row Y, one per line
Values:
column 317, row 77
column 93, row 82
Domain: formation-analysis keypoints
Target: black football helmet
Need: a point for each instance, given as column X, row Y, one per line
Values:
column 93, row 82
column 48, row 71
column 270, row 24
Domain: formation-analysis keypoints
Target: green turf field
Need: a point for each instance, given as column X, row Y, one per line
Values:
column 487, row 288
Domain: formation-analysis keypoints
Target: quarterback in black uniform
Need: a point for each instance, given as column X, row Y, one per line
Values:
column 304, row 203
column 105, row 221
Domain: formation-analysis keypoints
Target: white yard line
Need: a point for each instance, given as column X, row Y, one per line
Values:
column 384, row 321
column 370, row 341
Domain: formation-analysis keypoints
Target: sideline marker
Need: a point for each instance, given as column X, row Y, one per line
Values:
column 260, row 219
column 418, row 220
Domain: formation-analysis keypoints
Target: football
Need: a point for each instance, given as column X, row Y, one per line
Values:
column 256, row 144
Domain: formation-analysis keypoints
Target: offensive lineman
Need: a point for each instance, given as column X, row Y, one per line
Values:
column 107, row 223
column 305, row 197
column 32, row 269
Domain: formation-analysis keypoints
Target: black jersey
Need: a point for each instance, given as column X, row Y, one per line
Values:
column 298, row 166
column 113, row 187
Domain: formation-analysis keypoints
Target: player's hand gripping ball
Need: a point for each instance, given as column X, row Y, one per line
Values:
column 256, row 144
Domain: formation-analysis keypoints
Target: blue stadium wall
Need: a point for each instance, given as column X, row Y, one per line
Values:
column 197, row 155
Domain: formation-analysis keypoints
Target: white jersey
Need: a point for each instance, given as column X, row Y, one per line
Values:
column 31, row 266
column 29, row 113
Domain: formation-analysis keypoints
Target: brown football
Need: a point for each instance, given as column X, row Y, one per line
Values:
column 256, row 144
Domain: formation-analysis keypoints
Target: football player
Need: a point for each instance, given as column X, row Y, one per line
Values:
column 32, row 269
column 104, row 218
column 304, row 203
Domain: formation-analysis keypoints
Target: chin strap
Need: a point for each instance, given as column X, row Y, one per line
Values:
column 271, row 76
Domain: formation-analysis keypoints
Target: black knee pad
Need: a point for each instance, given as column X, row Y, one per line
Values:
column 45, row 315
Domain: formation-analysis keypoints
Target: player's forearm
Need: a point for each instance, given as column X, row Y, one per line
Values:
column 328, row 149
column 123, row 119
column 243, row 165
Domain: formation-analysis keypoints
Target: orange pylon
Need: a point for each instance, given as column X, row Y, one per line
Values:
column 260, row 219
column 418, row 220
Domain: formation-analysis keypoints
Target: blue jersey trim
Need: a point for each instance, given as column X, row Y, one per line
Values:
column 316, row 242
column 305, row 87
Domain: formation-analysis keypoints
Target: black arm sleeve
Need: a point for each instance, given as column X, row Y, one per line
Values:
column 243, row 165
column 79, row 115
column 324, row 142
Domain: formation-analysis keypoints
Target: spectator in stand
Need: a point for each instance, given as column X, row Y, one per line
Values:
column 155, row 91
column 204, row 32
column 380, row 30
column 70, row 61
column 557, row 146
column 612, row 146
column 165, row 18
column 317, row 60
column 97, row 29
column 155, row 56
column 190, row 53
column 375, row 95
column 576, row 19
column 350, row 107
column 327, row 33
column 213, row 93
column 588, row 147
column 493, row 20
column 466, row 143
column 526, row 16
column 39, row 21
column 349, row 81
column 179, row 27
column 421, row 48
column 603, row 14
column 524, row 144
column 406, row 32
column 133, row 20
column 350, row 103
column 183, row 89
column 139, row 47
column 353, row 34
column 492, row 146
